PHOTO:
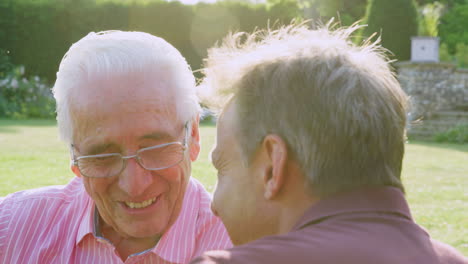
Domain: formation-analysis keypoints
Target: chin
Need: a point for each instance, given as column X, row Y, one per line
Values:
column 240, row 241
column 240, row 238
column 246, row 233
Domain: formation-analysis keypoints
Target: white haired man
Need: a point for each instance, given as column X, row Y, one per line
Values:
column 126, row 106
column 309, row 152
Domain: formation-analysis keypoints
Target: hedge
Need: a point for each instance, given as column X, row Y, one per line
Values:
column 397, row 21
column 37, row 33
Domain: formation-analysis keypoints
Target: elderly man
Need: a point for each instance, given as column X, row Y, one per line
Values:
column 309, row 153
column 126, row 105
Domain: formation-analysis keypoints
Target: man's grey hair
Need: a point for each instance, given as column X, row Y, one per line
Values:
column 337, row 105
column 109, row 54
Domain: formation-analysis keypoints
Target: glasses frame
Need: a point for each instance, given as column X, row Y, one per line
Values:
column 124, row 159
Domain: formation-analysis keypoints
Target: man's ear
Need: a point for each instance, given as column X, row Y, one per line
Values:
column 275, row 155
column 194, row 140
column 75, row 170
column 73, row 167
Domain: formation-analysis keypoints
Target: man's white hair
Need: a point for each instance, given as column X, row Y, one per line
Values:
column 337, row 105
column 109, row 54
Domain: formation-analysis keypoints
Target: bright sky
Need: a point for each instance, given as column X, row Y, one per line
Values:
column 192, row 2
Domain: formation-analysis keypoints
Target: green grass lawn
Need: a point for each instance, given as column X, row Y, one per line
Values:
column 435, row 175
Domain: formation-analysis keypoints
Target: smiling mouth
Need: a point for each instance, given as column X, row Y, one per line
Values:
column 142, row 204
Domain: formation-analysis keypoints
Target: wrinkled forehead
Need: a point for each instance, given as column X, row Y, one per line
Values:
column 227, row 148
column 125, row 90
column 227, row 128
column 121, row 98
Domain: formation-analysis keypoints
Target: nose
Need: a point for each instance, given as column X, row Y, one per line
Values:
column 134, row 179
column 213, row 209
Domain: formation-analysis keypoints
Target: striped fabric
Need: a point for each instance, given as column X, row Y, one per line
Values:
column 55, row 225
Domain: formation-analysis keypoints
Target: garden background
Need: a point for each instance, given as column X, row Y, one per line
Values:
column 35, row 34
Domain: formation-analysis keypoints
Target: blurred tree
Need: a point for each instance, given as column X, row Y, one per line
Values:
column 444, row 54
column 7, row 20
column 347, row 11
column 453, row 27
column 448, row 3
column 37, row 33
column 5, row 64
column 430, row 18
column 284, row 10
column 396, row 22
column 461, row 55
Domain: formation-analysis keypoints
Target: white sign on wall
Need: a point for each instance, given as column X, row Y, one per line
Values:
column 425, row 49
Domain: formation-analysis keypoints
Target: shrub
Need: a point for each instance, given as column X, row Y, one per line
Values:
column 453, row 25
column 461, row 55
column 444, row 54
column 429, row 19
column 396, row 20
column 457, row 134
column 5, row 64
column 39, row 32
column 22, row 97
column 460, row 58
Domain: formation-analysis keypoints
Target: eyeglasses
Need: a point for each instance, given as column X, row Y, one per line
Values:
column 153, row 158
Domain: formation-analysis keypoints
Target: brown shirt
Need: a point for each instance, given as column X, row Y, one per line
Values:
column 372, row 225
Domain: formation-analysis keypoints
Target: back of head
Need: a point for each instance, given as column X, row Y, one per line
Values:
column 111, row 55
column 337, row 105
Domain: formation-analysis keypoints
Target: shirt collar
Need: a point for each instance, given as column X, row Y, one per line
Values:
column 369, row 199
column 86, row 225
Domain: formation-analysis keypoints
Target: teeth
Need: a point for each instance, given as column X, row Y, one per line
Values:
column 142, row 204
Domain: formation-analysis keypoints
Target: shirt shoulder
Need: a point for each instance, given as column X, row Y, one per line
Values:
column 55, row 192
column 448, row 254
column 196, row 228
column 203, row 196
column 271, row 250
column 45, row 214
column 211, row 233
column 34, row 202
column 215, row 257
column 319, row 246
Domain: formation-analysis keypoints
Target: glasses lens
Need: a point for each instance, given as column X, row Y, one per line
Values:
column 162, row 157
column 99, row 167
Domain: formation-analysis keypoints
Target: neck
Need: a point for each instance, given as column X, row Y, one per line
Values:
column 125, row 246
column 129, row 246
column 294, row 199
column 290, row 217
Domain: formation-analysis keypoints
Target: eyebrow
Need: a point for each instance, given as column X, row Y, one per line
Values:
column 214, row 158
column 157, row 136
column 99, row 148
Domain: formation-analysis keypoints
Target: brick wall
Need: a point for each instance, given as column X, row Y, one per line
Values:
column 435, row 90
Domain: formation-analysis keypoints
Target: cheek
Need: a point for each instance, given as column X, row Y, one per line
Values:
column 217, row 196
column 220, row 203
column 97, row 187
column 174, row 181
column 175, row 176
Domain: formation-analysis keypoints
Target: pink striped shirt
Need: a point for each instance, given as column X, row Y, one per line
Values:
column 56, row 225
